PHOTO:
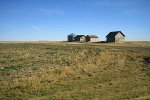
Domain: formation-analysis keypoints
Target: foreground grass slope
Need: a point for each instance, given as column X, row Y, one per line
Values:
column 74, row 71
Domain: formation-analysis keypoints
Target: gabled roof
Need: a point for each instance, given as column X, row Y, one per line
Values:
column 78, row 36
column 92, row 36
column 113, row 34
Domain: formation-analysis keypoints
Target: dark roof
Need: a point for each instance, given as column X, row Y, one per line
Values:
column 92, row 36
column 113, row 34
column 78, row 36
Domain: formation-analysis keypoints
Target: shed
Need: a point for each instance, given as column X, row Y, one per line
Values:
column 92, row 38
column 80, row 38
column 115, row 36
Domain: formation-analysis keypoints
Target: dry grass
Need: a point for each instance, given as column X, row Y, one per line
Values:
column 63, row 70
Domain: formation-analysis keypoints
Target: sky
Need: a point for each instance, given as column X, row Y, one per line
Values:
column 53, row 20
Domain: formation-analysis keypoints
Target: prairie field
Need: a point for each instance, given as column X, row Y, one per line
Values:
column 74, row 71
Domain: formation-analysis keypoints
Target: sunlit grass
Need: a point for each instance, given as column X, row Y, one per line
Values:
column 74, row 71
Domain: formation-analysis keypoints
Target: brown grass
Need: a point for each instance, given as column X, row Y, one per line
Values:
column 74, row 71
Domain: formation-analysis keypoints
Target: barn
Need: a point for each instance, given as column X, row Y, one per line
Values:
column 115, row 36
column 92, row 38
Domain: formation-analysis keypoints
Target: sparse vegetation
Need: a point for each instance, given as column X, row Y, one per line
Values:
column 75, row 71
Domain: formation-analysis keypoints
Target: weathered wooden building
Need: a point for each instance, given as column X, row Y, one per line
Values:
column 71, row 37
column 80, row 38
column 116, row 36
column 92, row 38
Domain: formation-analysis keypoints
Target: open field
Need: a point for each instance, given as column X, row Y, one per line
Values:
column 61, row 70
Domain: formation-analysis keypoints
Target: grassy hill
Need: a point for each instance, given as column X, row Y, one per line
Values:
column 61, row 70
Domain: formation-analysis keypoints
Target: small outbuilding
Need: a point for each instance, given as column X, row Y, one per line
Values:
column 80, row 38
column 92, row 38
column 116, row 36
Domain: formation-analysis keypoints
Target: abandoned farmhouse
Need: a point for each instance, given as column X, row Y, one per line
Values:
column 115, row 36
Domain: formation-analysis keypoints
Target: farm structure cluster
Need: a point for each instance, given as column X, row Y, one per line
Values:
column 82, row 38
column 115, row 36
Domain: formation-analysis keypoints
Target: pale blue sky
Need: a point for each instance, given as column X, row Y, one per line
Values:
column 53, row 20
